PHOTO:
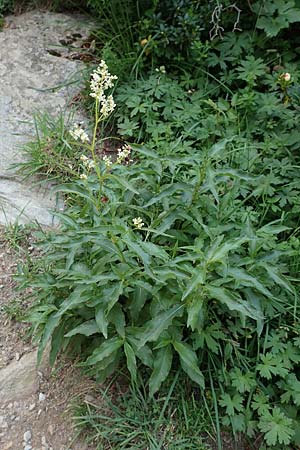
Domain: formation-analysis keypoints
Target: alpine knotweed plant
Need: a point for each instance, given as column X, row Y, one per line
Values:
column 165, row 262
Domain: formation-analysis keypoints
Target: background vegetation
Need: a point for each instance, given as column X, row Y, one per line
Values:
column 207, row 288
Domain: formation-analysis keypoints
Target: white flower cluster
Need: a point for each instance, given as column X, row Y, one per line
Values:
column 138, row 222
column 78, row 133
column 100, row 82
column 123, row 153
column 107, row 106
column 89, row 163
column 107, row 161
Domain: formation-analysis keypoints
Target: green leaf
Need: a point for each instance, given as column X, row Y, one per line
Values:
column 277, row 277
column 144, row 353
column 217, row 149
column 117, row 318
column 155, row 250
column 243, row 382
column 121, row 180
column 131, row 360
column 243, row 278
column 137, row 250
column 272, row 228
column 194, row 309
column 233, row 301
column 87, row 329
column 277, row 427
column 291, row 386
column 189, row 362
column 139, row 298
column 101, row 320
column 161, row 368
column 167, row 192
column 261, row 403
column 112, row 295
column 57, row 342
column 271, row 365
column 156, row 326
column 74, row 189
column 105, row 350
column 231, row 404
column 217, row 253
column 52, row 322
column 197, row 279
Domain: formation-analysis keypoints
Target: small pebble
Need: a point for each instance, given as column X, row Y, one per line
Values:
column 27, row 436
column 27, row 447
column 42, row 397
column 17, row 356
column 31, row 407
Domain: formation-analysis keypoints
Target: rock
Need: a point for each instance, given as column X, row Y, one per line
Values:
column 19, row 379
column 45, row 446
column 27, row 436
column 28, row 71
column 42, row 397
column 3, row 422
column 50, row 430
column 8, row 446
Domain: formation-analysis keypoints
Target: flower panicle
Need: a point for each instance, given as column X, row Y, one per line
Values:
column 123, row 153
column 89, row 163
column 101, row 80
column 107, row 161
column 79, row 134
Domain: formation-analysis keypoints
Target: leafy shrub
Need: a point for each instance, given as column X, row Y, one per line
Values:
column 187, row 257
column 173, row 260
column 202, row 284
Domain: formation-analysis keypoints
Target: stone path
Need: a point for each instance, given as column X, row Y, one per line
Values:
column 27, row 72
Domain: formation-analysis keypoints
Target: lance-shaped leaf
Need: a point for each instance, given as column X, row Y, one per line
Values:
column 131, row 360
column 161, row 368
column 86, row 328
column 104, row 350
column 189, row 362
column 156, row 326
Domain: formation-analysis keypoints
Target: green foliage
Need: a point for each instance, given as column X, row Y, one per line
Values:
column 172, row 28
column 50, row 156
column 208, row 284
column 5, row 6
column 202, row 282
column 275, row 15
column 130, row 420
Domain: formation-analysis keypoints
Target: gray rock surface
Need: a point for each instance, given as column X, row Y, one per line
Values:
column 27, row 73
column 19, row 379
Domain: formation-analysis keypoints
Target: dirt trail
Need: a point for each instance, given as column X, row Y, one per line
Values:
column 33, row 402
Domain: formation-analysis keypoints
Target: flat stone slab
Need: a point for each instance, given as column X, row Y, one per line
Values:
column 28, row 72
column 19, row 379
